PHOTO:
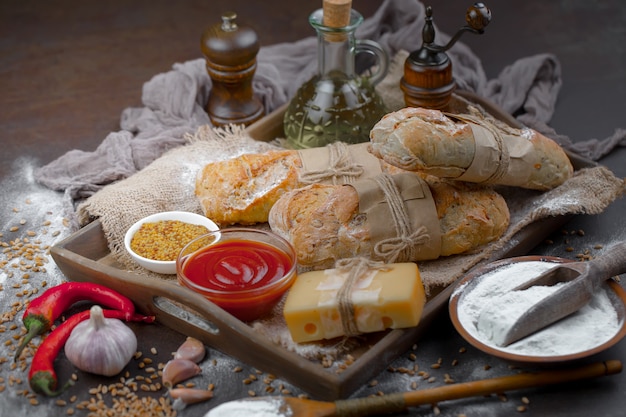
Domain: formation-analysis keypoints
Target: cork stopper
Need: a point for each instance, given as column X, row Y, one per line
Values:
column 337, row 13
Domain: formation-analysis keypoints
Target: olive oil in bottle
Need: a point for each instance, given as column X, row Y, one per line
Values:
column 336, row 104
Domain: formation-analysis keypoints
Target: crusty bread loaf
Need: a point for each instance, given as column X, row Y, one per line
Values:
column 242, row 190
column 417, row 139
column 324, row 224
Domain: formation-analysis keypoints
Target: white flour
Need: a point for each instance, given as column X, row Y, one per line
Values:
column 261, row 407
column 589, row 327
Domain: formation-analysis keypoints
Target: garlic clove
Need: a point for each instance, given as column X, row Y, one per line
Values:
column 185, row 396
column 178, row 370
column 192, row 349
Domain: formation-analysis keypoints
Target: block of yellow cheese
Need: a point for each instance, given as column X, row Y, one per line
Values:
column 392, row 298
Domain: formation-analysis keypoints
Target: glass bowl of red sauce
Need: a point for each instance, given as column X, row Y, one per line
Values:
column 245, row 271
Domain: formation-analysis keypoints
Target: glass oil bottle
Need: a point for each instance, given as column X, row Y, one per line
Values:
column 336, row 104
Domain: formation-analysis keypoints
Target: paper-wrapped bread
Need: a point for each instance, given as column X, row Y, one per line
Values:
column 469, row 148
column 243, row 189
column 326, row 223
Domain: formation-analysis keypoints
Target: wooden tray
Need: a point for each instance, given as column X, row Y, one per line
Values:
column 85, row 256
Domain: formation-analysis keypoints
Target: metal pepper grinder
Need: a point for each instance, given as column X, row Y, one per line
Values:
column 230, row 51
column 427, row 80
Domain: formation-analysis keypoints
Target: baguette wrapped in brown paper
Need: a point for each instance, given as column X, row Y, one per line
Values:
column 326, row 223
column 242, row 190
column 469, row 148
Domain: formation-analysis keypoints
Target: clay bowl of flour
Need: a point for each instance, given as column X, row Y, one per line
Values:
column 592, row 329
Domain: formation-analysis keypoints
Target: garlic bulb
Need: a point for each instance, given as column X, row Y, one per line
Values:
column 101, row 345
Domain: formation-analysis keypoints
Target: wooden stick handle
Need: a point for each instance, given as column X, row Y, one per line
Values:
column 400, row 401
column 511, row 382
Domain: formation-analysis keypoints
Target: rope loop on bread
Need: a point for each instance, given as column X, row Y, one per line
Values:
column 340, row 165
column 392, row 248
column 402, row 247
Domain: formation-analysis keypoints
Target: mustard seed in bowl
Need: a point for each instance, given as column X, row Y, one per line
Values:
column 155, row 241
column 163, row 240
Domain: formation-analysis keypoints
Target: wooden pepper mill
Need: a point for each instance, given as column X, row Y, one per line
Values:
column 230, row 52
column 427, row 80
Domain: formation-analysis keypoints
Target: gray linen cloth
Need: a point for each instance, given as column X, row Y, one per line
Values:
column 174, row 101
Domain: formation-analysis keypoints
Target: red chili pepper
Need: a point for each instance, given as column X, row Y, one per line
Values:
column 41, row 377
column 48, row 307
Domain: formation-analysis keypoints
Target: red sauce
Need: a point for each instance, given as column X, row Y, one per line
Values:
column 237, row 265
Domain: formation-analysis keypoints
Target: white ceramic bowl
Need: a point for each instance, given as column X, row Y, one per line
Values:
column 164, row 267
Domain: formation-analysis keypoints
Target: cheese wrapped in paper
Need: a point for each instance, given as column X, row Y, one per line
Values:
column 388, row 298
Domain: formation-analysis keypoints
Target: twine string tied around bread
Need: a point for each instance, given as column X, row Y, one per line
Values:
column 402, row 247
column 340, row 165
column 356, row 268
column 392, row 248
